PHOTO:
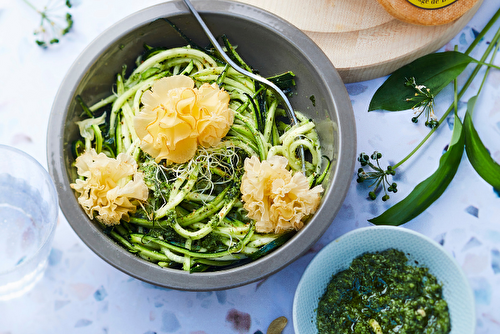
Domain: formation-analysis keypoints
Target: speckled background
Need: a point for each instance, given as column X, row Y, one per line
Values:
column 80, row 293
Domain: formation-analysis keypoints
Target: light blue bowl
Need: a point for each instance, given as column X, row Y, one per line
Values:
column 338, row 255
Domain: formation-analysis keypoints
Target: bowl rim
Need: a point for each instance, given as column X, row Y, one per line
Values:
column 178, row 279
column 304, row 280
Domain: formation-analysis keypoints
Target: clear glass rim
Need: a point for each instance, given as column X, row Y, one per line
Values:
column 53, row 203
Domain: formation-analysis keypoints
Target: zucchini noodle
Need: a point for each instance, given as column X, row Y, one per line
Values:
column 193, row 218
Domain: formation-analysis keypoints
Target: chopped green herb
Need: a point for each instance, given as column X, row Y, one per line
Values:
column 381, row 293
column 313, row 100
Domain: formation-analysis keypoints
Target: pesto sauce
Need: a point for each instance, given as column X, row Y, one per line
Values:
column 381, row 293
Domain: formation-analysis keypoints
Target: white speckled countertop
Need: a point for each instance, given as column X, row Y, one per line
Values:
column 80, row 293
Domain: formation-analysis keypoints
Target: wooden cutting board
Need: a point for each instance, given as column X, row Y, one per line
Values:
column 361, row 39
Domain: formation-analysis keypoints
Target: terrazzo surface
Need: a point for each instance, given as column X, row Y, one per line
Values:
column 80, row 293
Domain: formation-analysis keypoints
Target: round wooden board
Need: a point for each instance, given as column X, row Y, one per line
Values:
column 361, row 39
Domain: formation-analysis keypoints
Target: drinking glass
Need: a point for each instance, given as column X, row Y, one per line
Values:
column 28, row 217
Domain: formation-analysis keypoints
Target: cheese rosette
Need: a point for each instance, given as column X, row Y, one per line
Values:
column 109, row 186
column 276, row 198
column 176, row 117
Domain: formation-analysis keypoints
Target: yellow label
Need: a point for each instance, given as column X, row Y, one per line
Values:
column 431, row 4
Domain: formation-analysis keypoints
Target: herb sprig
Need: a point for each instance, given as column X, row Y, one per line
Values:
column 52, row 26
column 415, row 86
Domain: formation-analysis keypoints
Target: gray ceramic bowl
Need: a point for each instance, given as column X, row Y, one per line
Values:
column 269, row 44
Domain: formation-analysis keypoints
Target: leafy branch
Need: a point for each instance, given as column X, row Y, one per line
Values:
column 415, row 86
column 52, row 26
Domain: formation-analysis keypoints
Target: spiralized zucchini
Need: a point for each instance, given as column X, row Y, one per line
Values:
column 194, row 217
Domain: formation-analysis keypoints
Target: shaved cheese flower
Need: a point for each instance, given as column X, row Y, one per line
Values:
column 176, row 118
column 108, row 186
column 274, row 198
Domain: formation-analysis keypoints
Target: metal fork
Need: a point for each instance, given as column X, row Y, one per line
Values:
column 275, row 89
column 282, row 97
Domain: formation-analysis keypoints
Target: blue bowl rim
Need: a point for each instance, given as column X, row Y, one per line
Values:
column 325, row 250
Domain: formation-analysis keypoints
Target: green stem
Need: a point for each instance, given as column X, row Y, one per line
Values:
column 483, row 32
column 488, row 69
column 460, row 94
column 455, row 90
column 33, row 7
column 455, row 95
column 489, row 65
column 416, row 148
column 122, row 241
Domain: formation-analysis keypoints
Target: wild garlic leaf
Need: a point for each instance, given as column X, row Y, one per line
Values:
column 429, row 190
column 477, row 153
column 434, row 71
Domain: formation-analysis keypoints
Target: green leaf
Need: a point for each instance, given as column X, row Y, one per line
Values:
column 435, row 71
column 477, row 153
column 429, row 190
column 284, row 80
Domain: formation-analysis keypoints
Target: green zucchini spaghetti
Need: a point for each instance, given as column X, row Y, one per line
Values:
column 191, row 165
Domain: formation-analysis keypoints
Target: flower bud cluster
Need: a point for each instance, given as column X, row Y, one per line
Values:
column 379, row 176
column 424, row 103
